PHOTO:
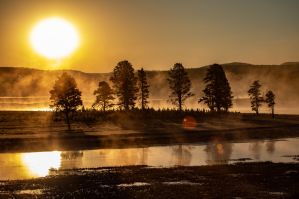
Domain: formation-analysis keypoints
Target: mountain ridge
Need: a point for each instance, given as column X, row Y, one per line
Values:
column 295, row 63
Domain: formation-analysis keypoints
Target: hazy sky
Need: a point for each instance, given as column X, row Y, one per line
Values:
column 156, row 33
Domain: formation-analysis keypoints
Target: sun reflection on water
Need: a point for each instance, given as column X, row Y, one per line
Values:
column 39, row 163
column 15, row 166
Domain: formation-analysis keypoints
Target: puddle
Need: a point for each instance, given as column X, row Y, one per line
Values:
column 135, row 184
column 182, row 183
column 291, row 172
column 277, row 193
column 39, row 164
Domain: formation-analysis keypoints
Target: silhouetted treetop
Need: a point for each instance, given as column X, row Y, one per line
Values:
column 65, row 95
column 270, row 100
column 179, row 84
column 143, row 86
column 124, row 84
column 104, row 96
column 217, row 93
column 255, row 95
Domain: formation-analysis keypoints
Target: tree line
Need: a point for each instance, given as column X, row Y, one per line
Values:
column 256, row 98
column 127, row 88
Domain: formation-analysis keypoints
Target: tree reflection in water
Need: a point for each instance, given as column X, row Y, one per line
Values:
column 270, row 145
column 256, row 149
column 218, row 151
column 70, row 155
column 182, row 155
column 144, row 156
column 71, row 159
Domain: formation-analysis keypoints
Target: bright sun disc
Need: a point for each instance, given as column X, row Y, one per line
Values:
column 54, row 38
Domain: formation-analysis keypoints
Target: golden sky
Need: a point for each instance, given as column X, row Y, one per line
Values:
column 155, row 34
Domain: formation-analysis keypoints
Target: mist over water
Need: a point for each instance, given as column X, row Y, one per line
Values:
column 28, row 89
column 42, row 104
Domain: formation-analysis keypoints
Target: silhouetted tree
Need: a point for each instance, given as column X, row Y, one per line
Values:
column 217, row 93
column 104, row 96
column 124, row 84
column 270, row 100
column 255, row 95
column 179, row 84
column 65, row 96
column 143, row 88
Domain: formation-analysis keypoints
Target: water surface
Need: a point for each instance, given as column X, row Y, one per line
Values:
column 39, row 164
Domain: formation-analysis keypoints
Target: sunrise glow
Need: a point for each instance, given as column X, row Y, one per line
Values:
column 54, row 38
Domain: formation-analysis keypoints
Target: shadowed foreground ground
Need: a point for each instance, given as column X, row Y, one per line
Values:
column 37, row 131
column 248, row 180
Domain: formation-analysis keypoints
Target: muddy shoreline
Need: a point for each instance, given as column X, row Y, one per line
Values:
column 75, row 140
column 37, row 131
column 243, row 180
column 28, row 132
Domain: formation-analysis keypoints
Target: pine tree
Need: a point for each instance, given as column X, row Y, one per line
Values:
column 270, row 100
column 143, row 88
column 104, row 96
column 124, row 84
column 217, row 93
column 65, row 96
column 179, row 84
column 255, row 95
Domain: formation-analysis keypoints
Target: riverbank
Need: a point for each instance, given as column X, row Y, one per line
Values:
column 243, row 180
column 39, row 131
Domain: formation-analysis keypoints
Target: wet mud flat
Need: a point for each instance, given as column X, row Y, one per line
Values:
column 242, row 180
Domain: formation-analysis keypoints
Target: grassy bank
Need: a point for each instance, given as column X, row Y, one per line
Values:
column 40, row 131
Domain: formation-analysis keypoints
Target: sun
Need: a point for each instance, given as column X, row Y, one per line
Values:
column 54, row 38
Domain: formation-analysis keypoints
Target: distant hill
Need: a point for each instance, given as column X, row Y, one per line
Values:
column 282, row 79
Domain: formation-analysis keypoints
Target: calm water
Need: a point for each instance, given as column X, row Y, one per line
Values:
column 38, row 164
